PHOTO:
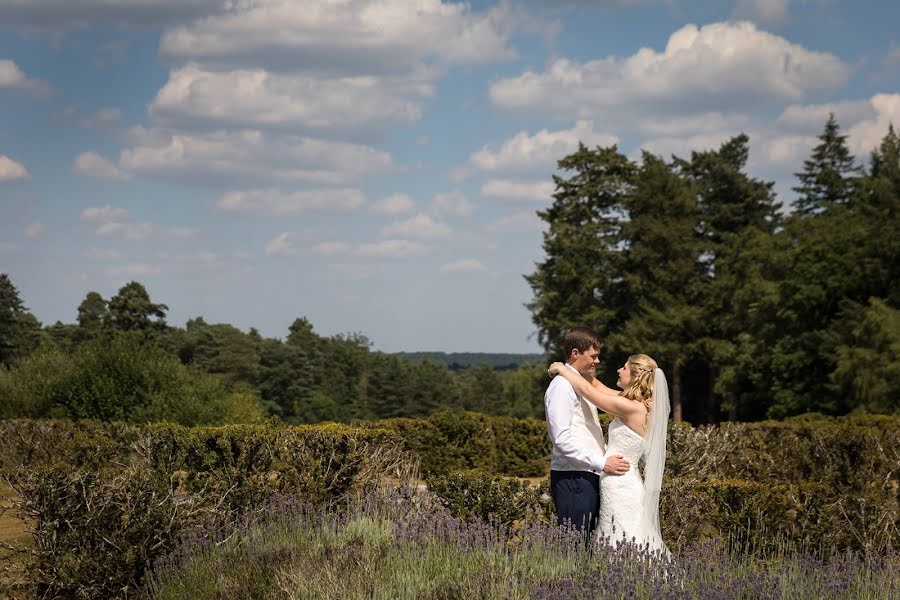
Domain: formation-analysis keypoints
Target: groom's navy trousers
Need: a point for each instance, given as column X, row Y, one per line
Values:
column 576, row 495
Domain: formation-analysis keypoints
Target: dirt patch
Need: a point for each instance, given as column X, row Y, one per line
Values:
column 12, row 532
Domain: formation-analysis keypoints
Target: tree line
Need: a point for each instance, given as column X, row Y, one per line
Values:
column 122, row 361
column 753, row 311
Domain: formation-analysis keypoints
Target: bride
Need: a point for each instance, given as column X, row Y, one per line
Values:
column 629, row 507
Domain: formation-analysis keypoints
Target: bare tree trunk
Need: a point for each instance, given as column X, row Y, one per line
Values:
column 712, row 408
column 676, row 394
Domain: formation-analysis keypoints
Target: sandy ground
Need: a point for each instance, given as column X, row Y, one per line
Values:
column 12, row 531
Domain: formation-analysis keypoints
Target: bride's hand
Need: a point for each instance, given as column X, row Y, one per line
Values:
column 555, row 369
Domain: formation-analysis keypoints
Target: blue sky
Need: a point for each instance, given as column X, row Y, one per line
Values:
column 376, row 166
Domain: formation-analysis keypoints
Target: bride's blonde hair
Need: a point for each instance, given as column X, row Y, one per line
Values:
column 642, row 368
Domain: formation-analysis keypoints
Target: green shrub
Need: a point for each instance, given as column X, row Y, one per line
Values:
column 756, row 517
column 763, row 516
column 35, row 442
column 453, row 440
column 119, row 378
column 29, row 391
column 477, row 494
column 848, row 452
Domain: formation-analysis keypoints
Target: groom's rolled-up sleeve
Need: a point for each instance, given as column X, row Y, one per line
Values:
column 559, row 402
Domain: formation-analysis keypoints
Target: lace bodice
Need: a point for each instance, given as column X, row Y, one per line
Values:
column 621, row 497
column 625, row 441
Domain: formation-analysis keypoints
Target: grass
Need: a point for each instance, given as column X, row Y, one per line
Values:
column 397, row 548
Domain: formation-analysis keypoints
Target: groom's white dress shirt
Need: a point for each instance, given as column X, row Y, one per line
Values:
column 575, row 431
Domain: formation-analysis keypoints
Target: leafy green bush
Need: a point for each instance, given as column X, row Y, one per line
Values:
column 845, row 452
column 853, row 452
column 120, row 378
column 453, row 440
column 477, row 494
column 29, row 390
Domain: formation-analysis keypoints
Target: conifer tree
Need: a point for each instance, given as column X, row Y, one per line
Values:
column 830, row 176
column 580, row 281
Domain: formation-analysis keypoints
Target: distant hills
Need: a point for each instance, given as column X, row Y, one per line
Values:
column 457, row 361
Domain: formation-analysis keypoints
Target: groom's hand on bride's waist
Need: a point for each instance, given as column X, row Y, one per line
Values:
column 616, row 465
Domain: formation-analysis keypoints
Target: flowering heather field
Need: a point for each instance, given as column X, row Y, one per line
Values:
column 402, row 545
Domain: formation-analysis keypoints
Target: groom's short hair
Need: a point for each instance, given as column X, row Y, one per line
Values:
column 581, row 339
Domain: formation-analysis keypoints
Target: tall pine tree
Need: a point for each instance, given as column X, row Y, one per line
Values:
column 830, row 176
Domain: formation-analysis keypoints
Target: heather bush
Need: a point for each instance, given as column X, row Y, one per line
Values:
column 97, row 523
column 397, row 546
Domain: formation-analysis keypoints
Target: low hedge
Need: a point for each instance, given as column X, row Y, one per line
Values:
column 452, row 440
column 99, row 524
column 755, row 516
column 846, row 452
column 87, row 443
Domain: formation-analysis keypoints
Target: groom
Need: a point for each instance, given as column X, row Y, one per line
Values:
column 578, row 461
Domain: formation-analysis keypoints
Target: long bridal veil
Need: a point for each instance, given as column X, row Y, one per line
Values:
column 655, row 460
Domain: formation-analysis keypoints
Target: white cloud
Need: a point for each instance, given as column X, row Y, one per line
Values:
column 103, row 214
column 682, row 146
column 526, row 153
column 35, row 230
column 53, row 14
column 330, row 248
column 309, row 103
column 451, row 204
column 223, row 157
column 763, row 11
column 812, row 117
column 7, row 247
column 11, row 171
column 462, row 266
column 865, row 122
column 115, row 222
column 276, row 203
column 127, row 230
column 420, row 226
column 693, row 124
column 354, row 35
column 13, row 77
column 788, row 149
column 395, row 204
column 526, row 190
column 105, row 118
column 283, row 245
column 866, row 135
column 91, row 164
column 719, row 67
column 391, row 249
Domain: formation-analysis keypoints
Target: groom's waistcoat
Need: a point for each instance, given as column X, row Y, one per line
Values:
column 586, row 433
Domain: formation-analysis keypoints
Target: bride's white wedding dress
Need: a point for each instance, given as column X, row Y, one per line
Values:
column 622, row 497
